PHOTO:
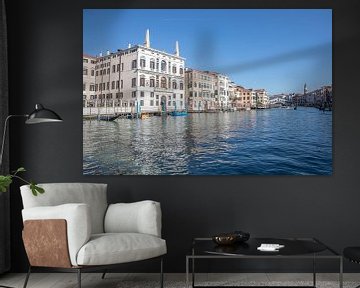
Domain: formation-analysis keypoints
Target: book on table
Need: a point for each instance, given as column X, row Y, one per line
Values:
column 270, row 247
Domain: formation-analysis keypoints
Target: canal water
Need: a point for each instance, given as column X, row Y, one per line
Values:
column 257, row 142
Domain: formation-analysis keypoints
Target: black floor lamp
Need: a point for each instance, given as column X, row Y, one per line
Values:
column 39, row 115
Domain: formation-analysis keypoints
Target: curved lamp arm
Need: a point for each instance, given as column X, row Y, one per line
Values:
column 39, row 115
column 4, row 134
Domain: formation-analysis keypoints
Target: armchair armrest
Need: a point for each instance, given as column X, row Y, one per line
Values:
column 138, row 217
column 77, row 217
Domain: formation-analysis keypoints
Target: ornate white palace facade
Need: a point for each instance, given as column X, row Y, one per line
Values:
column 137, row 79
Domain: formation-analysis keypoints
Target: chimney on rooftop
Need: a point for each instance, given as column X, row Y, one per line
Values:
column 147, row 39
column 177, row 51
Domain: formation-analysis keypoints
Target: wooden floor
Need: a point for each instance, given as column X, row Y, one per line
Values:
column 116, row 280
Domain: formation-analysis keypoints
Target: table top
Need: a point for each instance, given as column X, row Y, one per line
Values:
column 293, row 247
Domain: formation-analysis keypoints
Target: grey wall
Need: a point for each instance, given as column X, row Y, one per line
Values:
column 4, row 166
column 45, row 49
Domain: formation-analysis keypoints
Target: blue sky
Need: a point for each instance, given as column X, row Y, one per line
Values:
column 275, row 49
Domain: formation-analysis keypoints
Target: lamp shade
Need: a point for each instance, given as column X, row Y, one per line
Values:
column 42, row 115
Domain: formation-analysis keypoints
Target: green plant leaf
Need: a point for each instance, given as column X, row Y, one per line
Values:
column 39, row 189
column 36, row 189
column 20, row 169
column 5, row 182
column 33, row 189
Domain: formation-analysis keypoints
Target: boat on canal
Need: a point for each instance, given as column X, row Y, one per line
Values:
column 179, row 113
column 111, row 117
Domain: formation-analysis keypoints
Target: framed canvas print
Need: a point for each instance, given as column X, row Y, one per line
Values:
column 207, row 92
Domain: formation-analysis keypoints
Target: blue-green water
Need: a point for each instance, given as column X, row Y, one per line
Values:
column 262, row 142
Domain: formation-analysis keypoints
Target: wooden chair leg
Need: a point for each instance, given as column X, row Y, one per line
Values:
column 27, row 277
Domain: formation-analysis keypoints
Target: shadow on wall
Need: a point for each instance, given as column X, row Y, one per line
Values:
column 205, row 52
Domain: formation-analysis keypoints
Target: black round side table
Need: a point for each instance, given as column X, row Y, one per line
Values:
column 353, row 254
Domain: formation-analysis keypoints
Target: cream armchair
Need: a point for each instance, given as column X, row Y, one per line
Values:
column 72, row 228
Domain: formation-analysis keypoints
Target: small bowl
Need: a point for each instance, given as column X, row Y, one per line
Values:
column 225, row 239
column 241, row 236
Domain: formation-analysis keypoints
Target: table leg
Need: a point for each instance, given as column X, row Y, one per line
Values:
column 341, row 273
column 314, row 271
column 187, row 272
column 193, row 272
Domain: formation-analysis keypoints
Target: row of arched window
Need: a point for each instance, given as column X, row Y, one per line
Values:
column 162, row 82
column 162, row 65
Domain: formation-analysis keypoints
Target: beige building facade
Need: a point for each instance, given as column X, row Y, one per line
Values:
column 206, row 91
column 249, row 98
column 200, row 90
column 89, row 63
column 242, row 98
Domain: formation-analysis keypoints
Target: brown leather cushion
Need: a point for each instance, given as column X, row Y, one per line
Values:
column 46, row 243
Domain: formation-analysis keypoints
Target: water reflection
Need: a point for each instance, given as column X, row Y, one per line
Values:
column 272, row 142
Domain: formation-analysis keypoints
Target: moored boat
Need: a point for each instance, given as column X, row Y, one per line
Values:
column 108, row 117
column 178, row 113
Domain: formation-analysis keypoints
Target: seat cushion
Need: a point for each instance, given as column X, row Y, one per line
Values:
column 114, row 248
column 352, row 253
